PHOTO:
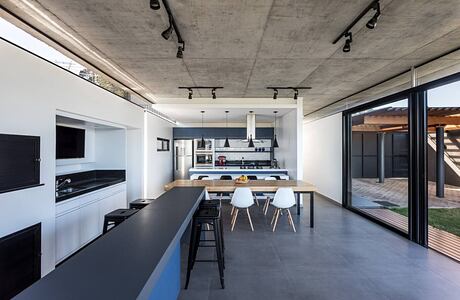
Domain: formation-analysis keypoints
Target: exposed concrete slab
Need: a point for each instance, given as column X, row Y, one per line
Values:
column 247, row 45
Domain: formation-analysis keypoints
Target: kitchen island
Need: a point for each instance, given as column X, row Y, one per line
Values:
column 235, row 172
column 138, row 259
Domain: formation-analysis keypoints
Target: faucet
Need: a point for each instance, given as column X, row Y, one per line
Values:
column 59, row 185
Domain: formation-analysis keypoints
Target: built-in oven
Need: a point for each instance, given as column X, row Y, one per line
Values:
column 204, row 160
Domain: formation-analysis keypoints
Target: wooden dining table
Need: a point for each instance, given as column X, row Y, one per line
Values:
column 257, row 186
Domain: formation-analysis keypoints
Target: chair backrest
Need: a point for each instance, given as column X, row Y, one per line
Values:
column 252, row 177
column 284, row 198
column 202, row 177
column 242, row 197
column 270, row 178
column 276, row 176
column 226, row 177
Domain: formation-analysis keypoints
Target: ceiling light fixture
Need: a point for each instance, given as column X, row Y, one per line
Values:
column 275, row 141
column 295, row 89
column 251, row 142
column 155, row 4
column 275, row 94
column 227, row 143
column 202, row 143
column 347, row 47
column 167, row 33
column 212, row 88
column 375, row 5
column 373, row 21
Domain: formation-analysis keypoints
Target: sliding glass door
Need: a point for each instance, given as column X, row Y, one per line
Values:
column 380, row 163
column 443, row 156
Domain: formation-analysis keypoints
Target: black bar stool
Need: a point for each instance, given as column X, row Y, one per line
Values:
column 226, row 177
column 140, row 203
column 276, row 176
column 202, row 176
column 217, row 204
column 116, row 217
column 212, row 216
column 252, row 177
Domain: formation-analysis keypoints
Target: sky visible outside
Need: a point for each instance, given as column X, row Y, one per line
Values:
column 21, row 38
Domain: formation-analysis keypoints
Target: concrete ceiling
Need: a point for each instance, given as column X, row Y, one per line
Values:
column 248, row 45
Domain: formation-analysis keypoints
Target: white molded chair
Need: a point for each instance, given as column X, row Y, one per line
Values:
column 242, row 199
column 284, row 199
column 268, row 196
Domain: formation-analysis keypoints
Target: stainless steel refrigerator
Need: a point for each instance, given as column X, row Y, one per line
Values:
column 183, row 158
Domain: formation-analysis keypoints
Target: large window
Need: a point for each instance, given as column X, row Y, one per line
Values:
column 380, row 162
column 402, row 163
column 443, row 145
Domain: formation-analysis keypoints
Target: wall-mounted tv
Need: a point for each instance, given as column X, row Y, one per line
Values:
column 70, row 142
column 19, row 162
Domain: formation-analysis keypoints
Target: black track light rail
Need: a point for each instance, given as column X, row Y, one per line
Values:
column 372, row 5
column 173, row 23
column 200, row 87
column 289, row 87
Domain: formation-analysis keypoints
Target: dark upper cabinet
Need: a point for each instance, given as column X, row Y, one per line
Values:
column 19, row 162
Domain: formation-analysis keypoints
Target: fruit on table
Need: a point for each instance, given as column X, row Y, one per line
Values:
column 243, row 178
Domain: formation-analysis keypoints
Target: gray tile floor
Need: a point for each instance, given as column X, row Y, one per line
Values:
column 344, row 257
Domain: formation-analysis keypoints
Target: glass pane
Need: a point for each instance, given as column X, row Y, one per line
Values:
column 380, row 163
column 444, row 169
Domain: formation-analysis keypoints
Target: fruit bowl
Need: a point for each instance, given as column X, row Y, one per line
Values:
column 242, row 179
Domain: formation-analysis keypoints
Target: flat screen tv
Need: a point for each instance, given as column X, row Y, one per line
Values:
column 70, row 142
column 19, row 162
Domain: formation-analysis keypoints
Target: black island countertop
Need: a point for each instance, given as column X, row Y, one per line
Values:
column 126, row 262
column 88, row 181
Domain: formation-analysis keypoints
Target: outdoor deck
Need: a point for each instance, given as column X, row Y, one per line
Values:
column 439, row 240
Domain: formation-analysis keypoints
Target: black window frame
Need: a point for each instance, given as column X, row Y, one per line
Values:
column 418, row 163
column 164, row 142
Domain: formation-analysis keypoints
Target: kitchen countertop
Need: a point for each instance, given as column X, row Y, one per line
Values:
column 127, row 262
column 234, row 170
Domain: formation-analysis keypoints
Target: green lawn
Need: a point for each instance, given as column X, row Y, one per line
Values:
column 447, row 219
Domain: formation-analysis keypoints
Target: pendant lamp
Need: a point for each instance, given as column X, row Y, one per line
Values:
column 202, row 143
column 227, row 143
column 275, row 141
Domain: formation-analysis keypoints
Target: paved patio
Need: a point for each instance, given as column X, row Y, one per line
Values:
column 395, row 191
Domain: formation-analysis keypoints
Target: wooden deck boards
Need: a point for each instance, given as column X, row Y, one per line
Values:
column 439, row 240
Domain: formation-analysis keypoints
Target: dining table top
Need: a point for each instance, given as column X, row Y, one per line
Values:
column 223, row 186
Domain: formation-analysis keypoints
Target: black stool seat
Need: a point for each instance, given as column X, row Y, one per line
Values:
column 116, row 217
column 208, row 215
column 252, row 177
column 140, row 203
column 210, row 203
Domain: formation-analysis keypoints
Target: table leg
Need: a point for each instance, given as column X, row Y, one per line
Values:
column 312, row 209
column 298, row 203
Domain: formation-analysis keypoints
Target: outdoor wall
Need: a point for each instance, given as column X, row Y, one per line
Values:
column 322, row 155
column 33, row 90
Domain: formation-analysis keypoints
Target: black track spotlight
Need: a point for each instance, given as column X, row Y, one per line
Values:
column 167, row 33
column 296, row 94
column 213, row 93
column 373, row 21
column 155, row 4
column 275, row 94
column 180, row 54
column 348, row 41
column 190, row 94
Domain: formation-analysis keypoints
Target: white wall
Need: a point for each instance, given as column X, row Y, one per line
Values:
column 322, row 152
column 286, row 154
column 159, row 164
column 32, row 91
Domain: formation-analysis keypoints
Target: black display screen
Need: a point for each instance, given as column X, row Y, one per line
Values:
column 70, row 142
column 19, row 162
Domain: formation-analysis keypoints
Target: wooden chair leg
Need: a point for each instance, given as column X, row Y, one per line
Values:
column 256, row 200
column 274, row 214
column 233, row 208
column 249, row 217
column 276, row 219
column 292, row 221
column 234, row 221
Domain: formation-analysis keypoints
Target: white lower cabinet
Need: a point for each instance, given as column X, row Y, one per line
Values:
column 79, row 220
